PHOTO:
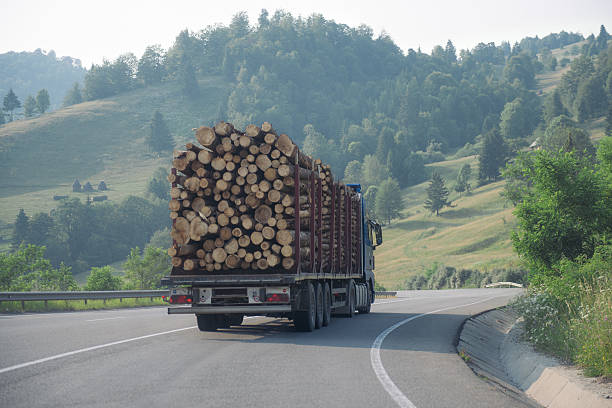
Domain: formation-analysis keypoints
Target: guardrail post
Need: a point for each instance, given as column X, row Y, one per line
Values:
column 85, row 301
column 46, row 304
column 120, row 300
column 23, row 306
column 104, row 301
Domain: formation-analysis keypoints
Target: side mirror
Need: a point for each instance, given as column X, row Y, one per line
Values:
column 378, row 232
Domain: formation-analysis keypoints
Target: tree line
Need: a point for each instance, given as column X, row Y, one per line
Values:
column 82, row 235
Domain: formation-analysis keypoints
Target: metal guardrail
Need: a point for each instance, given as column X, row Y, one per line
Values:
column 496, row 284
column 385, row 294
column 97, row 295
column 79, row 295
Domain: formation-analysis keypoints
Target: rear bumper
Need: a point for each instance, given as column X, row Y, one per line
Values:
column 257, row 310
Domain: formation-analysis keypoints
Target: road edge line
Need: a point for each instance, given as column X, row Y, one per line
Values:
column 376, row 362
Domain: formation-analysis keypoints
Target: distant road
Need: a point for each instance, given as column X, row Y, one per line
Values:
column 401, row 354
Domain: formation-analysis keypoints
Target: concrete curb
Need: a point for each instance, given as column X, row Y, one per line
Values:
column 492, row 342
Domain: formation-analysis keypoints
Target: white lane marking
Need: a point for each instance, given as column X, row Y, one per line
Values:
column 71, row 353
column 404, row 299
column 377, row 365
column 107, row 318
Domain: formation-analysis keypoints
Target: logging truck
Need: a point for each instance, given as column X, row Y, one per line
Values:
column 261, row 229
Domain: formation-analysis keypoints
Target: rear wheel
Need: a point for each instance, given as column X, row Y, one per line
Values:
column 352, row 298
column 319, row 314
column 348, row 310
column 304, row 320
column 326, row 304
column 208, row 322
column 370, row 298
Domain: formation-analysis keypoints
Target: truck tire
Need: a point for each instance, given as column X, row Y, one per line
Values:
column 370, row 298
column 352, row 299
column 304, row 320
column 349, row 309
column 326, row 305
column 320, row 305
column 207, row 322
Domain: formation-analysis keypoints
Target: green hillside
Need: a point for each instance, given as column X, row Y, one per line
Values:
column 93, row 141
column 474, row 233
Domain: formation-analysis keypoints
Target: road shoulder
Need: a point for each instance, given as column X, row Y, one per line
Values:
column 491, row 345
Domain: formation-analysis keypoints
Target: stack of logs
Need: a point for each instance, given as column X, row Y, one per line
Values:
column 233, row 202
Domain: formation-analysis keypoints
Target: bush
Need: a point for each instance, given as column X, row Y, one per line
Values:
column 103, row 279
column 570, row 315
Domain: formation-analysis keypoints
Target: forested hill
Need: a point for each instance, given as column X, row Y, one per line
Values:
column 29, row 72
column 366, row 100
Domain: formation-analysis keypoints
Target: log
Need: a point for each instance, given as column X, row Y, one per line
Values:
column 252, row 131
column 267, row 128
column 270, row 174
column 232, row 261
column 244, row 241
column 262, row 213
column 182, row 250
column 263, row 162
column 231, row 246
column 190, row 264
column 285, row 170
column 197, row 229
column 205, row 156
column 218, row 163
column 219, row 255
column 206, row 136
column 192, row 184
column 286, row 237
column 288, row 263
column 268, row 232
column 180, row 231
column 256, row 238
column 224, row 129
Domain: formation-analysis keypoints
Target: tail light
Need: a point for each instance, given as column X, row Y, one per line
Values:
column 278, row 297
column 180, row 299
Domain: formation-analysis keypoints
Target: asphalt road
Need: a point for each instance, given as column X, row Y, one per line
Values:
column 401, row 354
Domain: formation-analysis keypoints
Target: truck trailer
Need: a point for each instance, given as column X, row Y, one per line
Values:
column 330, row 269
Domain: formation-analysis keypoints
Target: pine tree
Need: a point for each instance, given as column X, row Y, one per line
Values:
column 388, row 200
column 463, row 179
column 437, row 194
column 492, row 156
column 159, row 138
column 74, row 95
column 29, row 106
column 21, row 229
column 187, row 77
column 43, row 101
column 11, row 102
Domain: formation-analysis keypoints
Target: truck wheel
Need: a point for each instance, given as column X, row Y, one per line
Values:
column 349, row 309
column 352, row 299
column 366, row 309
column 326, row 304
column 304, row 320
column 319, row 314
column 207, row 322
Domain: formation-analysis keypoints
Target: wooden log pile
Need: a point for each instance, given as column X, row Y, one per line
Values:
column 234, row 204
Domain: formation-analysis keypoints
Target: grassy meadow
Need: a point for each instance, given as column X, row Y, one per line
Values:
column 474, row 233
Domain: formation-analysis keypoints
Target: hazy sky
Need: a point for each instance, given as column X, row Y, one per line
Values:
column 92, row 30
